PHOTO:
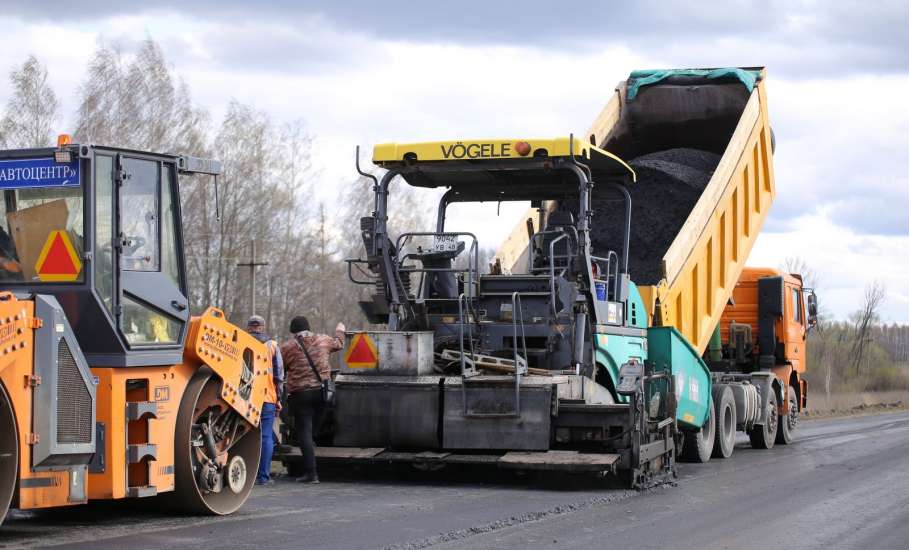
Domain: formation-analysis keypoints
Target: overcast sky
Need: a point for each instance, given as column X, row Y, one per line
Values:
column 362, row 72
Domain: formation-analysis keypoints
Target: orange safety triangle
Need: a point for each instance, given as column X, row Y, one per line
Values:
column 360, row 351
column 58, row 260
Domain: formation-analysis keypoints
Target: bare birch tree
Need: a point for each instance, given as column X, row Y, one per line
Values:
column 797, row 265
column 864, row 321
column 139, row 104
column 33, row 109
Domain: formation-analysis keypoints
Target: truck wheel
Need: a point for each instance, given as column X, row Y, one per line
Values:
column 786, row 432
column 697, row 446
column 724, row 442
column 763, row 437
column 9, row 452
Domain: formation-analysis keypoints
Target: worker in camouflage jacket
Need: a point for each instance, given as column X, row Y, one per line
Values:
column 304, row 388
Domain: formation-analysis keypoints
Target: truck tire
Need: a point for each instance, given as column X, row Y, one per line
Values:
column 724, row 405
column 786, row 432
column 764, row 436
column 697, row 446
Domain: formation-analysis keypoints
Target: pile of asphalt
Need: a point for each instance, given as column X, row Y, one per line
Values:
column 669, row 184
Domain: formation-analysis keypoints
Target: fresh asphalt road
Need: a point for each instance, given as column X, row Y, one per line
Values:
column 843, row 484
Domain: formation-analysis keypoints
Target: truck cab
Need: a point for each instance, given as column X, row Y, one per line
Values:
column 765, row 326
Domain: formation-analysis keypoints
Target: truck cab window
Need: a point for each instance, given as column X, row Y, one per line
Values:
column 796, row 306
column 139, row 202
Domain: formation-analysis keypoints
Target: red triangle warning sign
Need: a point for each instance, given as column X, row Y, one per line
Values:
column 361, row 354
column 58, row 260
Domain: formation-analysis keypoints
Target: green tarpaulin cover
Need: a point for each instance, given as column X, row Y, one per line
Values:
column 637, row 79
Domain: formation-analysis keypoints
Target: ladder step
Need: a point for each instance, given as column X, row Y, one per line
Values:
column 141, row 492
column 138, row 453
column 138, row 410
column 559, row 460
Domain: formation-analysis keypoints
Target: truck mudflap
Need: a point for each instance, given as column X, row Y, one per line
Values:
column 553, row 461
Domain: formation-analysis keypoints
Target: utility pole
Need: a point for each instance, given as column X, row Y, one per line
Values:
column 252, row 265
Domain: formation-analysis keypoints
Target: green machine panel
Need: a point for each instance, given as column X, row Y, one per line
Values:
column 668, row 350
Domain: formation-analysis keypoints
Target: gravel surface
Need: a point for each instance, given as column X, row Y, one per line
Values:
column 669, row 184
column 842, row 484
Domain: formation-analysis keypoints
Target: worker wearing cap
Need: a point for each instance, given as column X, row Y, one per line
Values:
column 304, row 393
column 273, row 391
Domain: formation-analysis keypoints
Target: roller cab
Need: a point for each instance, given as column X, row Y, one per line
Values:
column 111, row 389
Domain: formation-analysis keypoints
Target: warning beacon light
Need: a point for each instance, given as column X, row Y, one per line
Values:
column 63, row 155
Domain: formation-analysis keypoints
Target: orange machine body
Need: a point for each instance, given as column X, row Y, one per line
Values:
column 137, row 406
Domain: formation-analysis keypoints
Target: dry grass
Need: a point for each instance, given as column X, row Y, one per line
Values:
column 856, row 403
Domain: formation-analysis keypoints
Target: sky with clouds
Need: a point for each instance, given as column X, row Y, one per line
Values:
column 361, row 72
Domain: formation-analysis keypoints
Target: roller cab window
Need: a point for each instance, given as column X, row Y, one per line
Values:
column 42, row 229
column 153, row 305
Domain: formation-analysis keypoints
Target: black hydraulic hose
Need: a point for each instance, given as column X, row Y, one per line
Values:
column 580, row 330
column 443, row 206
column 209, row 441
column 375, row 182
column 381, row 213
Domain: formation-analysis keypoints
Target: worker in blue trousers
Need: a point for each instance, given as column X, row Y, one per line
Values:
column 273, row 391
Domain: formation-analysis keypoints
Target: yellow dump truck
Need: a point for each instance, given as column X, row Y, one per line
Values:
column 706, row 128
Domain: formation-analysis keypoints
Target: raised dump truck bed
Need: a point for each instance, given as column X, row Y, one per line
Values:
column 722, row 112
column 700, row 143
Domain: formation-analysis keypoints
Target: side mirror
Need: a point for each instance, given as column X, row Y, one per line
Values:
column 811, row 303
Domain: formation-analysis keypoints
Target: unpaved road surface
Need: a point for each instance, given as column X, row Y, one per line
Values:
column 843, row 484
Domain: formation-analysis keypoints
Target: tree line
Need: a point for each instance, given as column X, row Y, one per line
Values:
column 860, row 353
column 266, row 192
column 894, row 339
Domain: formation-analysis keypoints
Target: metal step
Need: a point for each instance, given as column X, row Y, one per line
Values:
column 566, row 461
column 137, row 453
column 509, row 293
column 137, row 410
column 141, row 492
column 566, row 405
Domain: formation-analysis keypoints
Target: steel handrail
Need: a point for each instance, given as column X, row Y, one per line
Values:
column 530, row 247
column 461, row 322
column 552, row 295
column 350, row 263
column 517, row 310
column 473, row 253
column 609, row 271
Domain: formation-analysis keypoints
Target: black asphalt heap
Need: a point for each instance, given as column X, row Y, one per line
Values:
column 669, row 184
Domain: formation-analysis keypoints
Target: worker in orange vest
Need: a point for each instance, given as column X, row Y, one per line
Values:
column 273, row 391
